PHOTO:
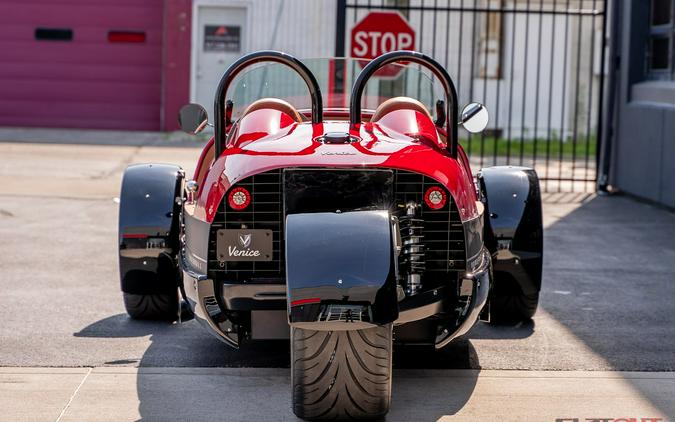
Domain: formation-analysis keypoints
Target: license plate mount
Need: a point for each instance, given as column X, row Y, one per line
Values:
column 244, row 245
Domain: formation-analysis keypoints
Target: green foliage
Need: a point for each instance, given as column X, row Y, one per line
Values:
column 584, row 146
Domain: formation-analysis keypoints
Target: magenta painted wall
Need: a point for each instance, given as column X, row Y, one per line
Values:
column 176, row 69
column 89, row 82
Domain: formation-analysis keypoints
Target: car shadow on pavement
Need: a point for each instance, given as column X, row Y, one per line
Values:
column 185, row 345
column 607, row 303
column 200, row 357
column 520, row 330
column 609, row 288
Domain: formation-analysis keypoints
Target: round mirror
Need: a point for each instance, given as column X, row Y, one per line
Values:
column 475, row 117
column 192, row 118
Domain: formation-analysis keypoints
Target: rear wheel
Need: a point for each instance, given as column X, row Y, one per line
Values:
column 341, row 374
column 161, row 306
column 508, row 303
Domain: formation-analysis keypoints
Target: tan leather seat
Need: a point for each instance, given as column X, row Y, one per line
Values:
column 274, row 104
column 399, row 103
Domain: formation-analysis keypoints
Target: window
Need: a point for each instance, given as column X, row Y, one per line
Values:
column 53, row 34
column 660, row 49
column 489, row 52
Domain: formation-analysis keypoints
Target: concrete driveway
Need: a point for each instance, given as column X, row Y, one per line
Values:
column 601, row 345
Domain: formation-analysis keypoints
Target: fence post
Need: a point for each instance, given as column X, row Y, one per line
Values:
column 340, row 66
column 607, row 109
column 340, row 22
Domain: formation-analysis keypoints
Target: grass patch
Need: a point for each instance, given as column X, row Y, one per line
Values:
column 501, row 146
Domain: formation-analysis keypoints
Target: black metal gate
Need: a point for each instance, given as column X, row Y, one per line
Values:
column 538, row 66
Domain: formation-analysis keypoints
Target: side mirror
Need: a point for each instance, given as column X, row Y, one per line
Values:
column 474, row 117
column 192, row 118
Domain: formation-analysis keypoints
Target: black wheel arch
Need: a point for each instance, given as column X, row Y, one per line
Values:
column 149, row 226
column 513, row 227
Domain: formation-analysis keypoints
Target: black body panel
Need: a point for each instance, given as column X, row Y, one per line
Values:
column 513, row 231
column 473, row 233
column 150, row 202
column 328, row 190
column 340, row 263
column 477, row 285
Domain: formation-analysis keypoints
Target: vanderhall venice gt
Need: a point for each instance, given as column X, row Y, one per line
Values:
column 346, row 222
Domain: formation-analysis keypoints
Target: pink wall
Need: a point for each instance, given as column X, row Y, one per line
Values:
column 176, row 60
column 88, row 82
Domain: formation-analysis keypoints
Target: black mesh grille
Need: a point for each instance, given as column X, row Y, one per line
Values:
column 443, row 232
column 264, row 212
column 444, row 237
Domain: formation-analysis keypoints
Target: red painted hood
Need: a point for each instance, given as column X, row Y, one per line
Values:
column 263, row 144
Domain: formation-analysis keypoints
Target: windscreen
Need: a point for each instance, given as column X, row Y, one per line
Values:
column 335, row 77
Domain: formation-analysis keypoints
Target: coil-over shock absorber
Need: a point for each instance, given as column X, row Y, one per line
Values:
column 412, row 254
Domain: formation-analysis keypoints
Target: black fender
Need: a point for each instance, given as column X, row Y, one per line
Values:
column 150, row 204
column 340, row 270
column 513, row 231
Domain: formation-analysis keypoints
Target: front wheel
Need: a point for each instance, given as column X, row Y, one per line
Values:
column 509, row 304
column 341, row 374
column 162, row 307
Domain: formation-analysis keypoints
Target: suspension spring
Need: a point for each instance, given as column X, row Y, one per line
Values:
column 412, row 262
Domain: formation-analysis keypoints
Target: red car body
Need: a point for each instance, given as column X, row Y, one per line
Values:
column 404, row 139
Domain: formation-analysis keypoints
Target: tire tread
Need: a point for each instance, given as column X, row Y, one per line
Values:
column 508, row 303
column 155, row 307
column 355, row 381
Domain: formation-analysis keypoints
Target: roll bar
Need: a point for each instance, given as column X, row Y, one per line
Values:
column 419, row 58
column 257, row 57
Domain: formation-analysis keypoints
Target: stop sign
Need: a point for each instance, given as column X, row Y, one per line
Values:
column 381, row 32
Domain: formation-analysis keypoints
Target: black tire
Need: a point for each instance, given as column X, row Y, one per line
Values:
column 339, row 375
column 508, row 303
column 163, row 307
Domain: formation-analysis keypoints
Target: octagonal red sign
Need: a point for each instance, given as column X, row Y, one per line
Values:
column 381, row 32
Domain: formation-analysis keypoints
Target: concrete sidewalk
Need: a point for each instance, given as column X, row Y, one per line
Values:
column 195, row 394
column 101, row 137
column 79, row 171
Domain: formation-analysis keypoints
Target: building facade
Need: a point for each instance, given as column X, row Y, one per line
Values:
column 641, row 155
column 129, row 64
column 92, row 64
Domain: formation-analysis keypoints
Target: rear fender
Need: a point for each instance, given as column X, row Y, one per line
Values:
column 513, row 230
column 150, row 202
column 340, row 270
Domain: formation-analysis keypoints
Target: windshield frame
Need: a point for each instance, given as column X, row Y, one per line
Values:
column 336, row 77
column 224, row 108
column 222, row 117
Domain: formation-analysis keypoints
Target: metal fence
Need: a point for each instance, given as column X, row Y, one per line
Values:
column 538, row 66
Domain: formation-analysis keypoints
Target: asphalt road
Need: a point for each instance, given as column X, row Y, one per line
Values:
column 607, row 300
